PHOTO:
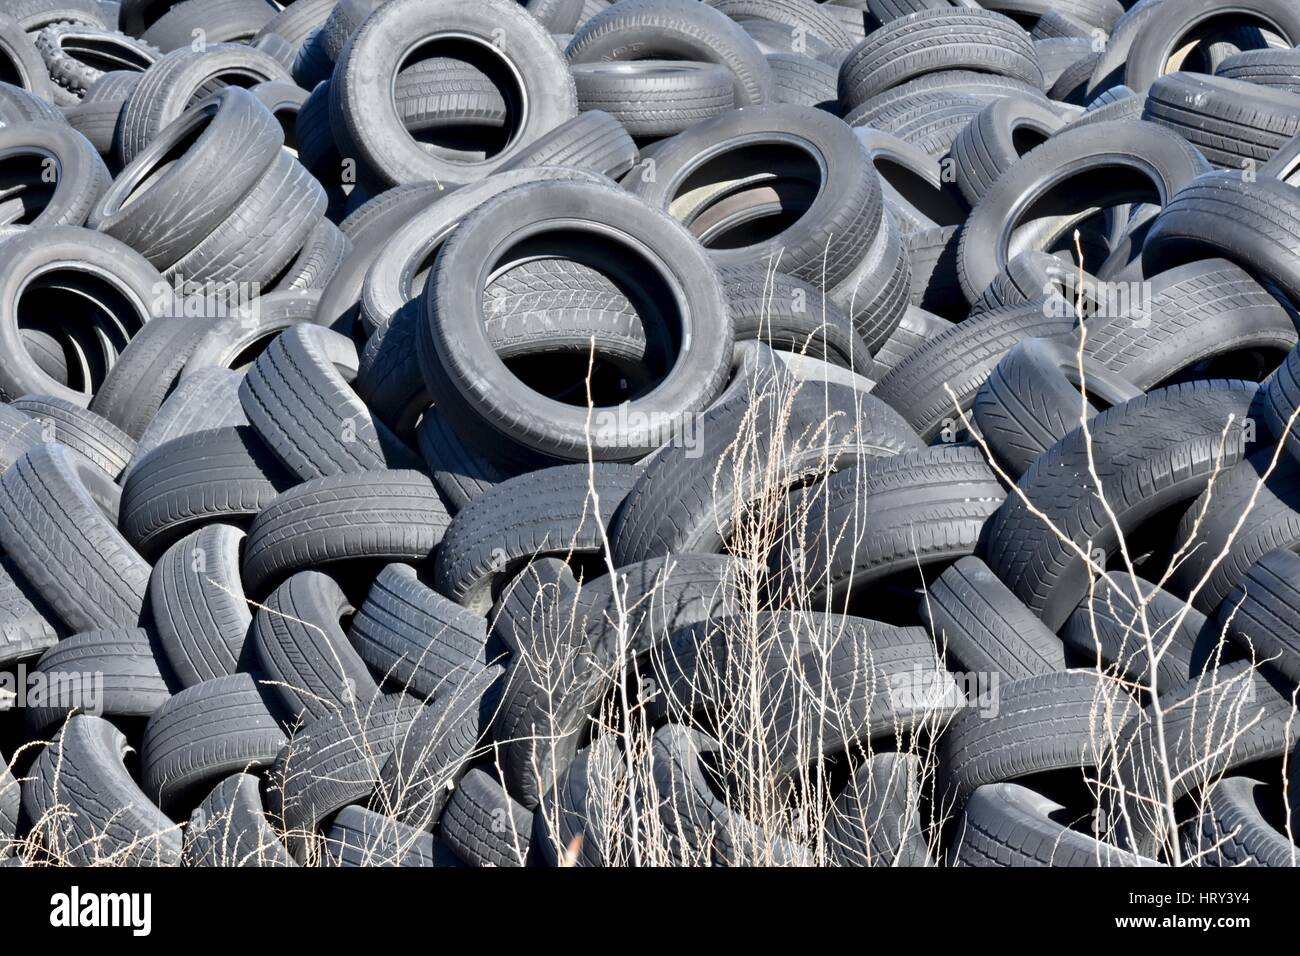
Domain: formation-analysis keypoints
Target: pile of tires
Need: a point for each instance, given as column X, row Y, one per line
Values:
column 695, row 432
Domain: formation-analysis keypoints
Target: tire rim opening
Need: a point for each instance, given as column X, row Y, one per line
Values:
column 470, row 139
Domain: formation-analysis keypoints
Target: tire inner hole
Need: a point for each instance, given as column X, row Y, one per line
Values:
column 90, row 330
column 561, row 374
column 747, row 196
column 473, row 139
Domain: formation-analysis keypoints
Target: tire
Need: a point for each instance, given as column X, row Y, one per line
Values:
column 301, row 648
column 1162, row 159
column 876, row 293
column 679, row 30
column 1272, row 522
column 558, row 16
column 917, row 386
column 205, row 733
column 1282, row 397
column 219, row 21
column 933, row 257
column 654, row 98
column 471, row 385
column 34, row 15
column 77, row 55
column 95, row 439
column 412, row 635
column 97, row 121
column 550, row 688
column 19, row 434
column 1032, row 399
column 1234, row 830
column 915, row 192
column 202, row 401
column 562, row 511
column 369, row 229
column 132, row 682
column 198, row 604
column 1032, row 278
column 483, row 825
column 1095, row 13
column 821, row 246
column 306, row 412
column 1198, row 316
column 367, row 125
column 1278, row 69
column 984, row 628
column 593, row 140
column 392, row 515
column 225, row 474
column 1056, row 721
column 64, row 545
column 22, row 61
column 1259, row 614
column 1110, row 630
column 701, row 827
column 808, row 17
column 802, row 81
column 691, row 494
column 362, row 838
column 230, row 828
column 1133, row 446
column 1062, row 60
column 81, row 176
column 878, row 681
column 995, row 141
column 264, row 234
column 567, row 827
column 26, row 630
column 928, row 507
column 1005, row 824
column 111, row 289
column 1055, row 24
column 324, row 252
column 931, row 41
column 243, row 333
column 298, row 21
column 10, row 804
column 931, row 123
column 788, row 313
column 1249, row 223
column 168, row 88
column 1234, row 124
column 87, row 808
column 444, row 739
column 445, row 92
column 146, row 372
column 1159, row 40
column 170, row 214
column 332, row 762
column 935, row 87
column 1232, row 717
column 459, row 470
column 391, row 280
column 876, row 818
